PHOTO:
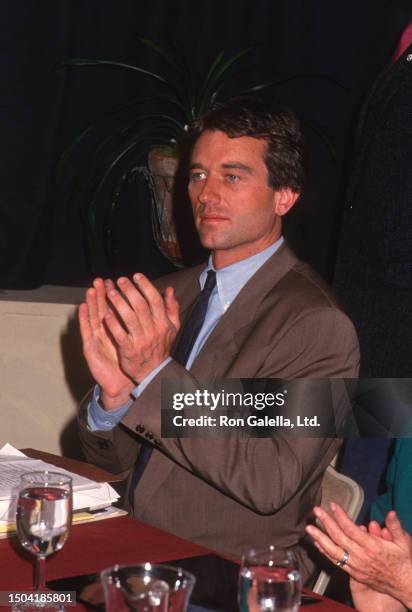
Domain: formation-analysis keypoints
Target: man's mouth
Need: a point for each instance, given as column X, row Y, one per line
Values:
column 212, row 218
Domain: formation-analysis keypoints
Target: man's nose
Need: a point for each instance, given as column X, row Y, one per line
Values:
column 210, row 191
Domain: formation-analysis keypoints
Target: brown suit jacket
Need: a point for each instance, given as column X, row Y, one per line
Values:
column 237, row 493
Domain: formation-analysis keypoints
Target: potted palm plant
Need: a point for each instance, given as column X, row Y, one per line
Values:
column 154, row 128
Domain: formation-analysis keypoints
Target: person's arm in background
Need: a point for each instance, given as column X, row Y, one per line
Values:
column 366, row 599
column 380, row 559
column 398, row 495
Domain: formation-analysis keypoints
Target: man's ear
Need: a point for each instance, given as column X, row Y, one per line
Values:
column 283, row 200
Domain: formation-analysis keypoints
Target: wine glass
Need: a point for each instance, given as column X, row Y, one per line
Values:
column 269, row 581
column 43, row 516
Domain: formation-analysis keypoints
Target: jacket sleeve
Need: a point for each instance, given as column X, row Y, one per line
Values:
column 261, row 473
column 114, row 450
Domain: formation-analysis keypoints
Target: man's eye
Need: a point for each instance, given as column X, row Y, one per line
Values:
column 232, row 178
column 197, row 176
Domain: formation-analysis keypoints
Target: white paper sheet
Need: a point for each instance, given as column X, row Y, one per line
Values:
column 87, row 494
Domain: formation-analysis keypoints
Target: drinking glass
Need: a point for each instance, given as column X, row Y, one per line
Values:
column 142, row 588
column 269, row 581
column 43, row 517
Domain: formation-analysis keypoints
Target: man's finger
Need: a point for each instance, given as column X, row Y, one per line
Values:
column 115, row 328
column 85, row 329
column 101, row 301
column 93, row 311
column 151, row 295
column 172, row 307
column 124, row 311
column 109, row 284
column 137, row 302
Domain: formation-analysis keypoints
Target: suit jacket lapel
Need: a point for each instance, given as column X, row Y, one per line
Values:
column 223, row 341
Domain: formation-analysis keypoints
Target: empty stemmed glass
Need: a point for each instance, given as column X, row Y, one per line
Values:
column 43, row 518
column 269, row 581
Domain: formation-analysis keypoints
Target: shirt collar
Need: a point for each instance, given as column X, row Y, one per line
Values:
column 231, row 279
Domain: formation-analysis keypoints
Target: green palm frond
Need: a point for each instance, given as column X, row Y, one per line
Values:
column 296, row 77
column 138, row 124
column 83, row 62
column 173, row 61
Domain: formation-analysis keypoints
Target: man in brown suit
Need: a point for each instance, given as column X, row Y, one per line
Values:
column 268, row 316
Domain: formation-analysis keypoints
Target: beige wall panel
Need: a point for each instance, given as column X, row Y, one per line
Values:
column 43, row 374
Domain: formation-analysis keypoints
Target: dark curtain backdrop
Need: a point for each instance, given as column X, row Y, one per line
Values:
column 43, row 108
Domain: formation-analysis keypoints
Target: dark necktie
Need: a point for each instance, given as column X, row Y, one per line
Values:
column 195, row 320
column 181, row 353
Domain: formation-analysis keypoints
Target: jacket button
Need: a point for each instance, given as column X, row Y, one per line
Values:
column 139, row 428
column 103, row 444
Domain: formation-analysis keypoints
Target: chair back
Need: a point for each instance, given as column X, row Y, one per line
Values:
column 347, row 493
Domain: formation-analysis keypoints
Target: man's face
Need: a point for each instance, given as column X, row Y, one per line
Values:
column 236, row 213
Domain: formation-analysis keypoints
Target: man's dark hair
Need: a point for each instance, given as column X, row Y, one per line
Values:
column 280, row 129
